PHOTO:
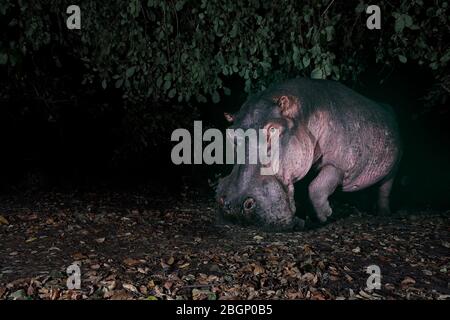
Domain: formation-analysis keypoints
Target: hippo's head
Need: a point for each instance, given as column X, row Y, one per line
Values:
column 267, row 200
column 249, row 198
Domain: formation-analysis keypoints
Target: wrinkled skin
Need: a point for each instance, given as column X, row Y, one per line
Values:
column 352, row 141
column 272, row 210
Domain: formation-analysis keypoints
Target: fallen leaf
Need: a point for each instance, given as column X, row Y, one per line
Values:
column 18, row 295
column 2, row 291
column 131, row 262
column 79, row 256
column 407, row 282
column 121, row 295
column 143, row 290
column 308, row 249
column 389, row 286
column 203, row 295
column 130, row 287
column 168, row 285
column 257, row 269
column 3, row 220
column 365, row 295
column 143, row 270
column 356, row 250
column 151, row 284
column 310, row 278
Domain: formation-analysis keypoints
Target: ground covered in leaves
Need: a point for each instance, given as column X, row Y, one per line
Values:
column 133, row 246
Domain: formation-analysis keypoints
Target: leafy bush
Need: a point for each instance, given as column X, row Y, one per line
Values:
column 181, row 50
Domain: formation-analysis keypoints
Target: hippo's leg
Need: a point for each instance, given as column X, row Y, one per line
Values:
column 291, row 197
column 297, row 223
column 322, row 187
column 383, row 196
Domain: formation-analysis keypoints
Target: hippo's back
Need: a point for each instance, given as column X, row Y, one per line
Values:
column 360, row 135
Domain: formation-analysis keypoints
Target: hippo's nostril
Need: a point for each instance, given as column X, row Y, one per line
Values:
column 224, row 204
column 249, row 204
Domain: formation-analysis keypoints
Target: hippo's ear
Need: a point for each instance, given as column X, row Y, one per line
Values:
column 229, row 117
column 289, row 106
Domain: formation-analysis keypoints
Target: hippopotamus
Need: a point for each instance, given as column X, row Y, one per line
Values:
column 350, row 141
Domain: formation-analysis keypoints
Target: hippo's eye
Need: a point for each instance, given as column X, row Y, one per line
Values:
column 249, row 204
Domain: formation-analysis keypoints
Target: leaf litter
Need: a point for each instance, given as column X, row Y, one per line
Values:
column 136, row 246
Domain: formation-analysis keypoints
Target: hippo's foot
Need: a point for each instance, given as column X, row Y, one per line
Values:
column 322, row 187
column 324, row 212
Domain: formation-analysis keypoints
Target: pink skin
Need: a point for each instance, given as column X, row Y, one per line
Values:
column 351, row 140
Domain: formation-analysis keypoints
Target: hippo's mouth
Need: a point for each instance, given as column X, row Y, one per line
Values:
column 295, row 224
column 239, row 218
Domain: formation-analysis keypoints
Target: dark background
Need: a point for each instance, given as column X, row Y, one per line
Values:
column 67, row 124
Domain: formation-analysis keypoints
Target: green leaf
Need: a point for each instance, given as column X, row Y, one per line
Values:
column 399, row 24
column 306, row 60
column 408, row 20
column 225, row 70
column 446, row 57
column 215, row 97
column 168, row 77
column 295, row 54
column 159, row 82
column 248, row 85
column 317, row 73
column 329, row 30
column 172, row 93
column 360, row 8
column 167, row 85
column 433, row 66
column 402, row 58
column 247, row 74
column 265, row 65
column 179, row 5
column 327, row 68
column 130, row 71
column 104, row 84
column 118, row 83
column 234, row 30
